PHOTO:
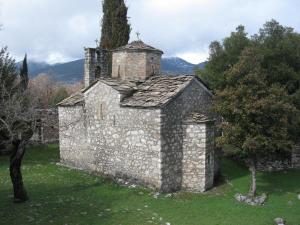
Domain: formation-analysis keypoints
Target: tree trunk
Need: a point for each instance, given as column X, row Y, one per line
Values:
column 17, row 154
column 252, row 168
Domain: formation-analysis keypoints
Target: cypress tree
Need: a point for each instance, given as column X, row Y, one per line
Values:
column 115, row 26
column 24, row 74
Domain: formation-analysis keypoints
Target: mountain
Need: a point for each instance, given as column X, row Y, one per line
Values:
column 73, row 71
column 176, row 65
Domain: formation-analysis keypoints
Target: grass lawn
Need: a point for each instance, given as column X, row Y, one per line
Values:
column 62, row 196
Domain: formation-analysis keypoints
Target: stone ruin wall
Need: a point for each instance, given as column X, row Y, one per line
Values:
column 46, row 127
column 296, row 156
column 275, row 164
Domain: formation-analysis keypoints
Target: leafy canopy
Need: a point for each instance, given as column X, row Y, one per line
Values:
column 279, row 62
column 255, row 112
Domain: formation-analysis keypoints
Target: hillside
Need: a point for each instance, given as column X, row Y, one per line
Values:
column 73, row 71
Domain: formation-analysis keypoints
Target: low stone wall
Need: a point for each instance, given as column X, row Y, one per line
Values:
column 276, row 164
column 296, row 156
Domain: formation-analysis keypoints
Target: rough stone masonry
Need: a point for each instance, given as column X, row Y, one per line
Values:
column 139, row 124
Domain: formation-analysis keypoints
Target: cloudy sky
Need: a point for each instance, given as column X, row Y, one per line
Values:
column 57, row 30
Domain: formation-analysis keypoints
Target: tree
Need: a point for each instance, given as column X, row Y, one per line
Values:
column 24, row 74
column 257, row 84
column 255, row 113
column 16, row 120
column 280, row 47
column 115, row 27
column 60, row 94
column 223, row 56
column 46, row 92
column 42, row 88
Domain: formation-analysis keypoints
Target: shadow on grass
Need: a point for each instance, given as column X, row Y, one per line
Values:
column 59, row 204
column 279, row 183
column 232, row 170
column 273, row 183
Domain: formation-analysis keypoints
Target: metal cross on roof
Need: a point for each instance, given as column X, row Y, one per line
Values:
column 97, row 42
column 138, row 35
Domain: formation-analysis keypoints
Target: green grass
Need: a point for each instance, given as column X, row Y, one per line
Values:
column 62, row 196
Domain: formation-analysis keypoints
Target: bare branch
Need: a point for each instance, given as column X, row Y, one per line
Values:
column 8, row 129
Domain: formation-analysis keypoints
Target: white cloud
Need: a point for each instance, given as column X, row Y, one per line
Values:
column 194, row 57
column 55, row 57
column 56, row 30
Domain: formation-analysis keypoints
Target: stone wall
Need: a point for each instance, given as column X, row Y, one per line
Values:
column 193, row 99
column 102, row 67
column 122, row 142
column 276, row 163
column 296, row 156
column 198, row 156
column 95, row 65
column 136, row 65
column 89, row 66
column 73, row 137
column 144, row 144
column 153, row 64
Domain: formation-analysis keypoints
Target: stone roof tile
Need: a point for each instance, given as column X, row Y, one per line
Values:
column 157, row 91
column 75, row 99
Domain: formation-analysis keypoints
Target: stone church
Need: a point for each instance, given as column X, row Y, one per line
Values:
column 138, row 124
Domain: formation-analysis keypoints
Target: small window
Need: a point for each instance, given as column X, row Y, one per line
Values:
column 153, row 70
column 100, row 112
column 208, row 159
column 98, row 72
column 119, row 71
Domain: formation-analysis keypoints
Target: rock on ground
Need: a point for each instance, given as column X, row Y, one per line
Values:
column 254, row 201
column 279, row 221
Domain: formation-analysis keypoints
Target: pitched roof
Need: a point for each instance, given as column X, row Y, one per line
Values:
column 137, row 46
column 157, row 91
column 75, row 99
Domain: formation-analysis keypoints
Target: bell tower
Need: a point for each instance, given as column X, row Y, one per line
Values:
column 95, row 65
